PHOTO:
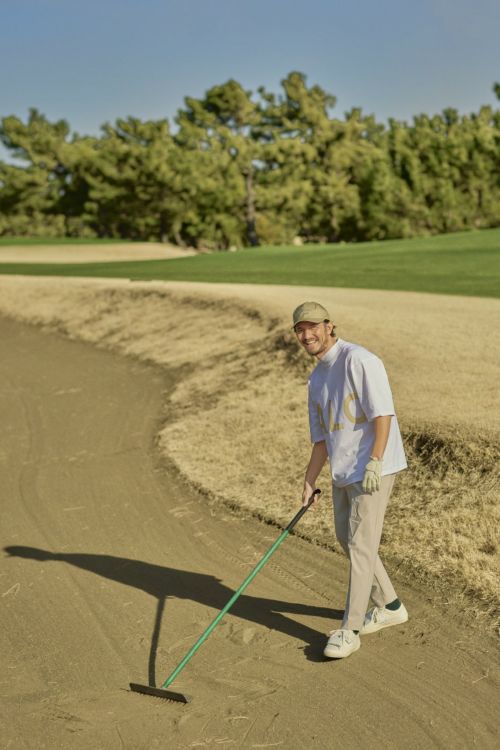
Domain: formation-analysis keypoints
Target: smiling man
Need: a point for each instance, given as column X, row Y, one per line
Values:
column 353, row 424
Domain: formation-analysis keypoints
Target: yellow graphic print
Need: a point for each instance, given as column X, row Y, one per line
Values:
column 332, row 424
column 320, row 417
column 347, row 411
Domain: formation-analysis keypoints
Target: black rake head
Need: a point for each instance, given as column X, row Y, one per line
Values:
column 169, row 695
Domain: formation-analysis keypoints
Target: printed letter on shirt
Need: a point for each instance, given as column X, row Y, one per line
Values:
column 347, row 410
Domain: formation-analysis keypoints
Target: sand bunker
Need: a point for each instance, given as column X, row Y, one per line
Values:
column 119, row 251
column 237, row 424
column 112, row 567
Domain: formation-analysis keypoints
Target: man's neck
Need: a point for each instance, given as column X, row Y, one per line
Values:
column 321, row 354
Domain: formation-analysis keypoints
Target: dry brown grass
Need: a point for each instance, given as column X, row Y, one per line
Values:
column 237, row 424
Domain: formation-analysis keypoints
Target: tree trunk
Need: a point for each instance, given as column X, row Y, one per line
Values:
column 178, row 239
column 252, row 236
column 163, row 227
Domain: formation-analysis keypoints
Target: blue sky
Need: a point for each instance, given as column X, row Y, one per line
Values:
column 91, row 61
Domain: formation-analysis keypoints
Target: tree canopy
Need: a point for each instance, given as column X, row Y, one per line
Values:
column 246, row 168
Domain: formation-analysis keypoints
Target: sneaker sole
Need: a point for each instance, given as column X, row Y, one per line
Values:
column 376, row 628
column 341, row 656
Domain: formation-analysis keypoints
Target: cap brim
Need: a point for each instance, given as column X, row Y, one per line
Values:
column 309, row 320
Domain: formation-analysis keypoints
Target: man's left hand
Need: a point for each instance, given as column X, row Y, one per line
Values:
column 373, row 473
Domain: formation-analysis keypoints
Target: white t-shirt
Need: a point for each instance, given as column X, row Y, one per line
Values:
column 347, row 390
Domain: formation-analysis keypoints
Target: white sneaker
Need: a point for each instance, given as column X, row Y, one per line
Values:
column 341, row 643
column 381, row 617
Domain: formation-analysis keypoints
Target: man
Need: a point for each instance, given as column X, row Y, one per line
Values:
column 353, row 423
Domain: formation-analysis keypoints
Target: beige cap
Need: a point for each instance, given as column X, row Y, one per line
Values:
column 310, row 311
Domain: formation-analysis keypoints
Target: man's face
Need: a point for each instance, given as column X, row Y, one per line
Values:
column 314, row 337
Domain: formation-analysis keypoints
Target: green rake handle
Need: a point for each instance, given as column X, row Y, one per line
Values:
column 243, row 586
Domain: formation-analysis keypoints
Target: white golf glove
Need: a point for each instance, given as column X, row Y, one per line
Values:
column 373, row 473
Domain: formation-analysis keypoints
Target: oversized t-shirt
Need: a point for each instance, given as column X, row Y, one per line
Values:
column 347, row 390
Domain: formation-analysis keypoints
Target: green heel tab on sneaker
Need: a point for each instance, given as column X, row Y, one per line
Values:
column 393, row 606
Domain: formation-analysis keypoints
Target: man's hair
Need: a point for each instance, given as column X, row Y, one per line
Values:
column 333, row 334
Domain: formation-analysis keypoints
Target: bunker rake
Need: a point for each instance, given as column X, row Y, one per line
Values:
column 162, row 691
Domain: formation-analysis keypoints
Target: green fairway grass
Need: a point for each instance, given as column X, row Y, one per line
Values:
column 466, row 263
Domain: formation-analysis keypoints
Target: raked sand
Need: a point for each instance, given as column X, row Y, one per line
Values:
column 113, row 567
column 237, row 419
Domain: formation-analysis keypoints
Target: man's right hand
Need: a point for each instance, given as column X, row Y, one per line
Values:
column 306, row 494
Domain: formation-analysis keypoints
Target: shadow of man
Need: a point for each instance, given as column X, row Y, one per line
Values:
column 164, row 583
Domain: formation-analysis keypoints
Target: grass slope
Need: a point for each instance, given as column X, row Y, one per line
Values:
column 466, row 263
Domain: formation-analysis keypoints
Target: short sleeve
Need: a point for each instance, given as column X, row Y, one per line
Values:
column 316, row 420
column 371, row 384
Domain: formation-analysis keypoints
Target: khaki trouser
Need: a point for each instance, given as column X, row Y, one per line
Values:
column 358, row 524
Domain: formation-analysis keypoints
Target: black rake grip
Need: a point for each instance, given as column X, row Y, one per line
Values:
column 304, row 508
